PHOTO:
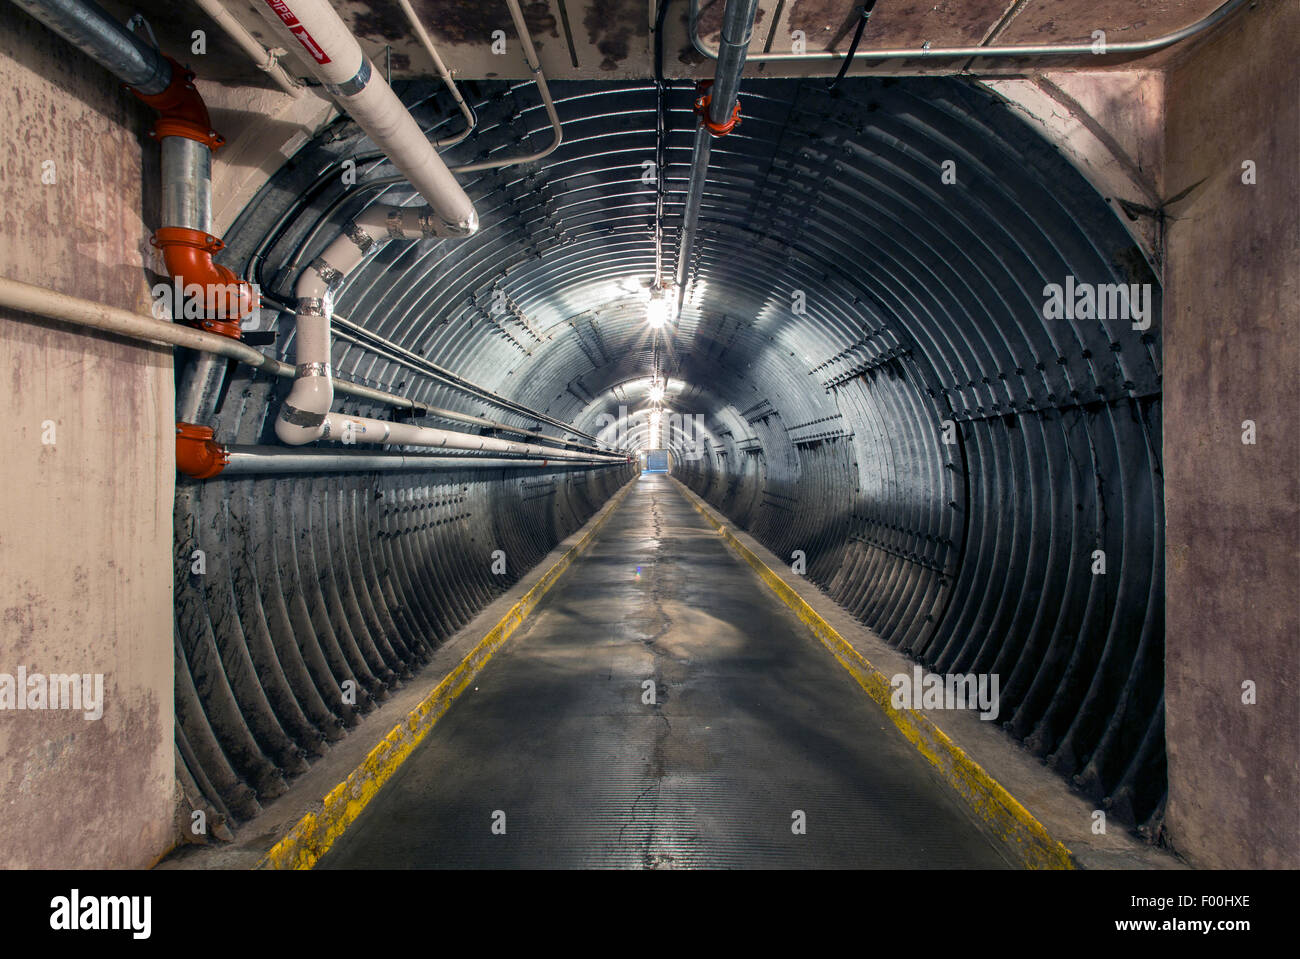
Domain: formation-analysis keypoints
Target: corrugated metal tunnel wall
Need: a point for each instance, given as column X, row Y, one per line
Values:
column 864, row 346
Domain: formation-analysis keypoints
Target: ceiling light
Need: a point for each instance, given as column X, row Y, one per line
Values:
column 656, row 312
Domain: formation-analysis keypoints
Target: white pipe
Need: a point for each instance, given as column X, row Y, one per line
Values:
column 264, row 59
column 302, row 416
column 361, row 429
column 253, row 460
column 333, row 55
column 423, row 36
column 26, row 298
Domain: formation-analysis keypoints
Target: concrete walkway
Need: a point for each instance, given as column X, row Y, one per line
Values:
column 754, row 730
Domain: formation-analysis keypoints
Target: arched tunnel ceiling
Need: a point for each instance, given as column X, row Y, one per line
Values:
column 835, row 200
column 612, row 39
column 953, row 463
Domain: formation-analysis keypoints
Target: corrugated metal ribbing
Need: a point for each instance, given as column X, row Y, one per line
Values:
column 864, row 341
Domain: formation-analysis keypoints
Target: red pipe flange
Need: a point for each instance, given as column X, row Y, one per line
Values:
column 197, row 454
column 188, row 255
column 702, row 102
column 182, row 112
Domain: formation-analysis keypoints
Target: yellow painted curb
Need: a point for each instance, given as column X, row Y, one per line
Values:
column 313, row 834
column 1017, row 827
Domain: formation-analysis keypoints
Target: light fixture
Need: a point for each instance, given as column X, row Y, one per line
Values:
column 656, row 392
column 656, row 311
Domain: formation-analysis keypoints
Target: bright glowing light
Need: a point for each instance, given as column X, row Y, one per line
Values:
column 656, row 312
column 656, row 393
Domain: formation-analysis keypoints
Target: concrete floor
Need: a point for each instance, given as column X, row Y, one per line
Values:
column 753, row 721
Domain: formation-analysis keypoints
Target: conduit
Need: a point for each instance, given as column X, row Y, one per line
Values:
column 44, row 302
column 265, row 60
column 242, row 460
column 543, row 90
column 423, row 36
column 1025, row 51
column 187, row 141
column 719, row 112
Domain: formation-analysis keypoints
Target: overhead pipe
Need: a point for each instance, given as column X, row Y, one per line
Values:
column 187, row 142
column 466, row 110
column 91, row 29
column 245, row 460
column 26, row 298
column 266, row 60
column 737, row 28
column 718, row 108
column 338, row 62
column 335, row 58
column 1030, row 51
column 362, row 429
column 543, row 90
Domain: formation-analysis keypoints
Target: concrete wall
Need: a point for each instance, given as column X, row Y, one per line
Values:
column 1232, row 319
column 85, row 521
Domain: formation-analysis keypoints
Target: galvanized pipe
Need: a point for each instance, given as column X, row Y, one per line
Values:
column 52, row 305
column 737, row 26
column 691, row 215
column 422, row 35
column 186, row 184
column 1031, row 51
column 733, row 46
column 91, row 29
column 362, row 429
column 272, row 459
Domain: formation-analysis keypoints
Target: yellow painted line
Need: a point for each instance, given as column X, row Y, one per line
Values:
column 1028, row 840
column 313, row 834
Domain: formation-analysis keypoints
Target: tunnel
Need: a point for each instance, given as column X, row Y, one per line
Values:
column 738, row 435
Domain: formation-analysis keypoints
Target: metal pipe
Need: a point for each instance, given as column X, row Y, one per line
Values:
column 400, row 354
column 1032, row 51
column 245, row 460
column 691, row 214
column 186, row 184
column 96, row 33
column 87, row 314
column 530, row 57
column 199, row 387
column 737, row 28
column 362, row 429
column 265, row 60
column 423, row 36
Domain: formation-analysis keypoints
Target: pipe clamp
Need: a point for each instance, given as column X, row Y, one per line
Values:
column 296, row 417
column 350, row 88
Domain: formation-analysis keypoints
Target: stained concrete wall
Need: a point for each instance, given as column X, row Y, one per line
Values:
column 85, row 520
column 1232, row 353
